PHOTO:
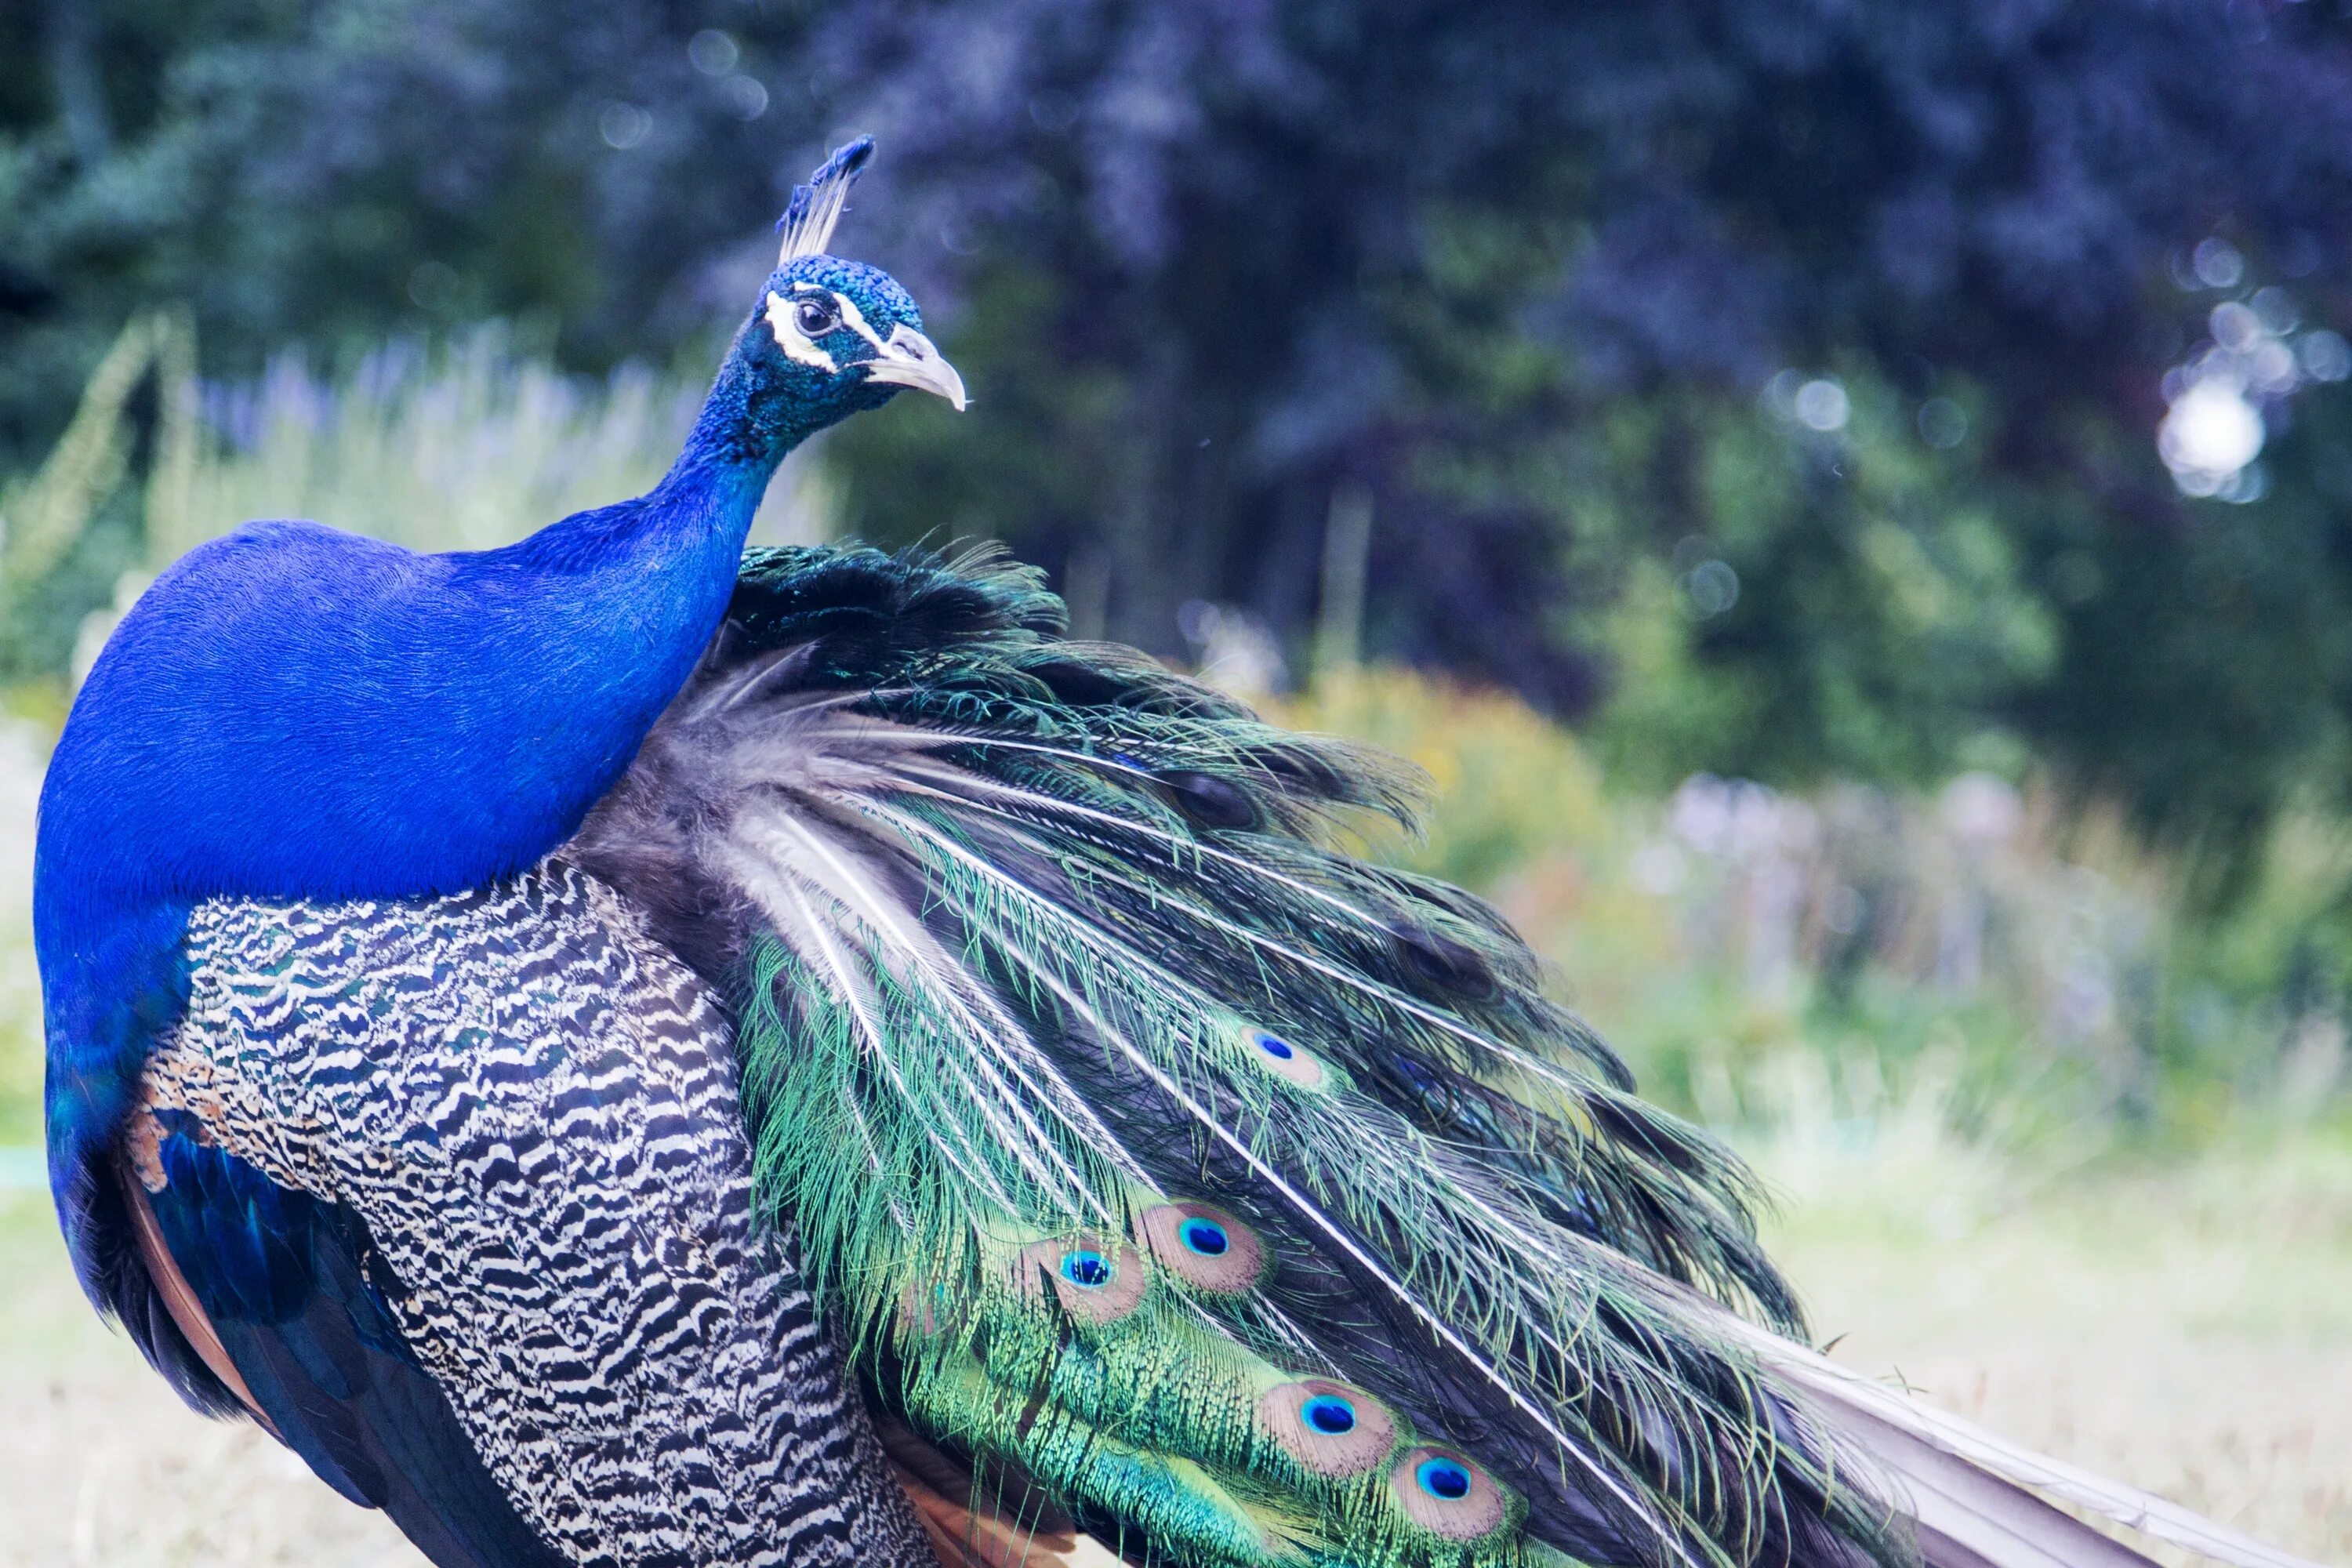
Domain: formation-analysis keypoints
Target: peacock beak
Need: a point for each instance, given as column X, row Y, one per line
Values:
column 909, row 359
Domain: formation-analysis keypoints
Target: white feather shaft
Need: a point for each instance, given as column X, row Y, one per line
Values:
column 1840, row 1389
column 1411, row 1005
column 790, row 908
column 857, row 890
column 1336, row 1235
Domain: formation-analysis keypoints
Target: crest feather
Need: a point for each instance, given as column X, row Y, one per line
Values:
column 807, row 223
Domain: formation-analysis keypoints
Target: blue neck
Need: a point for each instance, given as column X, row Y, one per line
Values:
column 707, row 499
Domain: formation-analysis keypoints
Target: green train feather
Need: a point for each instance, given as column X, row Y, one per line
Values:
column 1048, row 956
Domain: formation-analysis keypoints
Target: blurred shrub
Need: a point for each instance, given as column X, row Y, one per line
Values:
column 1845, row 598
column 23, row 752
column 463, row 448
column 73, row 525
column 2010, row 958
column 2011, row 964
column 1510, row 786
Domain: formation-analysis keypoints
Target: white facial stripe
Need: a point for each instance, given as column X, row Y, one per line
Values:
column 854, row 319
column 791, row 339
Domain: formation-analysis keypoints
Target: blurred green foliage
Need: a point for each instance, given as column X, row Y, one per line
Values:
column 1507, row 788
column 2027, row 967
column 1544, row 282
column 1770, row 392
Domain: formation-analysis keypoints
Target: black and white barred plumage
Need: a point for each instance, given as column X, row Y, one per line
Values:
column 531, row 1109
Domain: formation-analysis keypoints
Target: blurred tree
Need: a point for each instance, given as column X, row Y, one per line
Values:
column 1523, row 268
column 1520, row 269
column 326, row 174
column 329, row 172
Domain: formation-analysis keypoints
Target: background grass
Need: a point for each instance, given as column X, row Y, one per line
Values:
column 2185, row 1325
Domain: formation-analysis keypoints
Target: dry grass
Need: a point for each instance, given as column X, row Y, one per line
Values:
column 100, row 1464
column 2191, row 1329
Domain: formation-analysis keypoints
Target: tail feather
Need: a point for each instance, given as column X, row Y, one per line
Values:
column 1982, row 1492
column 1966, row 1516
column 1252, row 1199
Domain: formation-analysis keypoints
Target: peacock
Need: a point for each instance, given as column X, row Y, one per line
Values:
column 626, row 1051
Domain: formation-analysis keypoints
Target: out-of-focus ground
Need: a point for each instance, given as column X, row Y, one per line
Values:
column 2189, row 1329
column 2186, row 1329
column 100, row 1463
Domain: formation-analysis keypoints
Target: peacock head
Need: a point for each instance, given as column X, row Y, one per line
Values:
column 835, row 337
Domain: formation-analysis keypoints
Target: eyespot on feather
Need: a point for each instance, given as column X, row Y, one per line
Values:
column 1205, row 1246
column 1446, row 1494
column 1210, row 801
column 1330, row 1428
column 1097, row 1279
column 1284, row 1059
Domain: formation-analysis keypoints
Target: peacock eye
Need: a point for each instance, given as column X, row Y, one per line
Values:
column 816, row 318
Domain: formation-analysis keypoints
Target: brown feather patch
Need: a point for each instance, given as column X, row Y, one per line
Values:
column 987, row 1530
column 179, row 1297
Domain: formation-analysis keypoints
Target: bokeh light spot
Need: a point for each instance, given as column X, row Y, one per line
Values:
column 2324, row 355
column 624, row 125
column 1943, row 424
column 2209, row 434
column 1822, row 404
column 2218, row 264
column 714, row 53
column 1712, row 587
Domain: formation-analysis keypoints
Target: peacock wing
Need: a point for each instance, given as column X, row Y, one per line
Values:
column 1248, row 1199
column 282, row 1296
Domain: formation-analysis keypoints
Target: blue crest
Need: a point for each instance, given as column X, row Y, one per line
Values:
column 808, row 221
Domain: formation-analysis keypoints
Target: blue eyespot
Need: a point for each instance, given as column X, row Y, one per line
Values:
column 1329, row 1414
column 1443, row 1479
column 1086, row 1269
column 1204, row 1236
column 1295, row 1065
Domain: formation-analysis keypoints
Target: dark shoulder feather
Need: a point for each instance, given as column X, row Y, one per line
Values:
column 295, row 1293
